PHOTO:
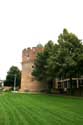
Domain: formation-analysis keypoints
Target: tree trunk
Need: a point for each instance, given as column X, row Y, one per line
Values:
column 50, row 85
column 70, row 85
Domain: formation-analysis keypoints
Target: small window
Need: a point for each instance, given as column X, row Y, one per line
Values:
column 27, row 55
column 32, row 66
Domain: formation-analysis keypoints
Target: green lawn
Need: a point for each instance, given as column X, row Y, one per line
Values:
column 27, row 109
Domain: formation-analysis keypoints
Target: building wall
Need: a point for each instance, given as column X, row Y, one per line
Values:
column 28, row 83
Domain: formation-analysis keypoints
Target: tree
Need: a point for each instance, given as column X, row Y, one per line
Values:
column 40, row 65
column 62, row 60
column 67, row 59
column 72, row 48
column 52, row 63
column 11, row 74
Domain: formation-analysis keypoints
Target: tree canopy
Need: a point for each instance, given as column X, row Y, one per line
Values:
column 40, row 69
column 61, row 60
column 11, row 74
column 65, row 60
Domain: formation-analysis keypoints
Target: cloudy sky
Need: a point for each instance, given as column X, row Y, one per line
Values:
column 25, row 23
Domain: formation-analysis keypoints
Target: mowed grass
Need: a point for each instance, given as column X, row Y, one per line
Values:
column 30, row 109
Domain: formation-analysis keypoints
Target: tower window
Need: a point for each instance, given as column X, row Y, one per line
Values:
column 27, row 55
column 32, row 66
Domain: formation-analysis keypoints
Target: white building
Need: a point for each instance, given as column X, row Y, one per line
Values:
column 1, row 84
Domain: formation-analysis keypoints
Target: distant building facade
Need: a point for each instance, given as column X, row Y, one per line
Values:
column 1, row 84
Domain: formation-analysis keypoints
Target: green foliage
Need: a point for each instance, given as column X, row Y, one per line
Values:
column 67, row 59
column 40, row 69
column 61, row 60
column 13, row 71
column 72, row 48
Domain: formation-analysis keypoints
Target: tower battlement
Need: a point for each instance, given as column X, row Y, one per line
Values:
column 29, row 54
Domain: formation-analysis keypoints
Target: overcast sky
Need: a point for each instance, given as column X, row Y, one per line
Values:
column 25, row 23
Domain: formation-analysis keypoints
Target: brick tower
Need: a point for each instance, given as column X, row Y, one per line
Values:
column 28, row 83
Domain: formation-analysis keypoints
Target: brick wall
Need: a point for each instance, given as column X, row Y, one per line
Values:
column 28, row 83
